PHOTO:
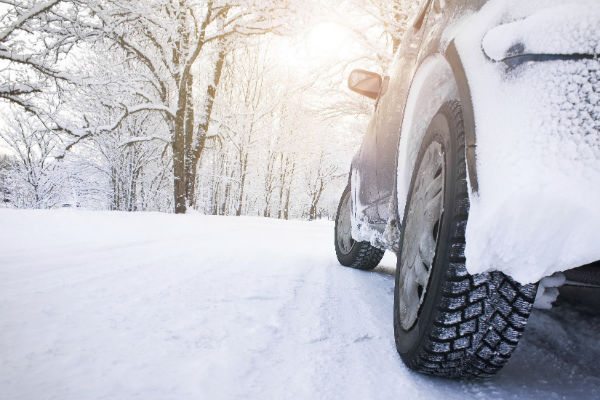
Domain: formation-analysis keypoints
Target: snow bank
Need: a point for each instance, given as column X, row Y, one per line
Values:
column 538, row 138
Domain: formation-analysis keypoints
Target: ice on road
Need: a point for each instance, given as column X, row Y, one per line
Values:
column 106, row 305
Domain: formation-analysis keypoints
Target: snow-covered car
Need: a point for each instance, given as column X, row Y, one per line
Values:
column 481, row 170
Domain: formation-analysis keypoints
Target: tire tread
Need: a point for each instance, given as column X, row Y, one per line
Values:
column 363, row 255
column 480, row 318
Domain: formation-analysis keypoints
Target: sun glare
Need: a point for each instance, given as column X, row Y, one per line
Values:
column 315, row 46
column 326, row 40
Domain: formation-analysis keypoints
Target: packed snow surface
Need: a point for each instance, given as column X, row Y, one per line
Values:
column 148, row 306
column 538, row 138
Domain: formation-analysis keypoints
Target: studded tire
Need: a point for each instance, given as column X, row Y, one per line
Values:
column 361, row 255
column 467, row 325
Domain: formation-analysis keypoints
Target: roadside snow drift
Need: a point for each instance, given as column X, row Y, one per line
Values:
column 150, row 306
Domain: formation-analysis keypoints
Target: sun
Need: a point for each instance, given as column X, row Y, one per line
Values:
column 320, row 44
column 326, row 40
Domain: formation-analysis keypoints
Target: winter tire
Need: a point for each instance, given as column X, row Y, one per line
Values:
column 350, row 253
column 447, row 322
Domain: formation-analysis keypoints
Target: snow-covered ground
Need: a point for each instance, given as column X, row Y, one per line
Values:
column 150, row 306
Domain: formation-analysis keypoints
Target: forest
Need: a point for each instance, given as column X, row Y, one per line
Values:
column 223, row 107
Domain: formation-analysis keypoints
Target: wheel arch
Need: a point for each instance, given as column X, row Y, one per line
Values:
column 466, row 101
column 439, row 78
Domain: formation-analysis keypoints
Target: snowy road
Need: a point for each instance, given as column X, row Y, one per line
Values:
column 151, row 306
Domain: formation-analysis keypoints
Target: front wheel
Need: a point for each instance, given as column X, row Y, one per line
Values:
column 350, row 253
column 447, row 322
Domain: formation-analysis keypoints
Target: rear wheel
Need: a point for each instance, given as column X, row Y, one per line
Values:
column 446, row 321
column 350, row 253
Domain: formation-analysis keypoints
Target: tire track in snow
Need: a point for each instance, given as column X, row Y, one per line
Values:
column 225, row 308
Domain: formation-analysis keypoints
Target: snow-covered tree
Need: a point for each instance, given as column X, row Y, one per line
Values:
column 173, row 105
column 167, row 40
column 36, row 179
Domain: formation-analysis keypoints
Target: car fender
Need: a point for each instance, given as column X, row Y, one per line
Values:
column 432, row 85
column 466, row 101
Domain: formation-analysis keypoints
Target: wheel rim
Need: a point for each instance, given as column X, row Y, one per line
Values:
column 344, row 226
column 421, row 234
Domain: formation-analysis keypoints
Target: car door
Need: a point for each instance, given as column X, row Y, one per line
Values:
column 390, row 108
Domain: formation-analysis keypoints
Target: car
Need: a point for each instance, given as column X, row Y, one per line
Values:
column 480, row 170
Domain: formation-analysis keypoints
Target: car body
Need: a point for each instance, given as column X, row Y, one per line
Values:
column 480, row 168
column 444, row 54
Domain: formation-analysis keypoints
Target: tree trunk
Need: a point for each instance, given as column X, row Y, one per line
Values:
column 312, row 214
column 286, row 182
column 226, row 198
column 286, row 208
column 190, row 173
column 244, row 171
column 179, row 181
column 193, row 141
column 178, row 144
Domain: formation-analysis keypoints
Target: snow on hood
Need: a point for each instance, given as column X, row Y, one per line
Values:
column 538, row 139
column 572, row 28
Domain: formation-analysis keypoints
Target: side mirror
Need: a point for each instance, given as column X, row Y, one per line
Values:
column 366, row 83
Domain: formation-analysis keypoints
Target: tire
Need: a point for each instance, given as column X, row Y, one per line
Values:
column 465, row 325
column 358, row 255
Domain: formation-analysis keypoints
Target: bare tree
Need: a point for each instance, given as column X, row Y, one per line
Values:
column 249, row 106
column 37, row 182
column 317, row 180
